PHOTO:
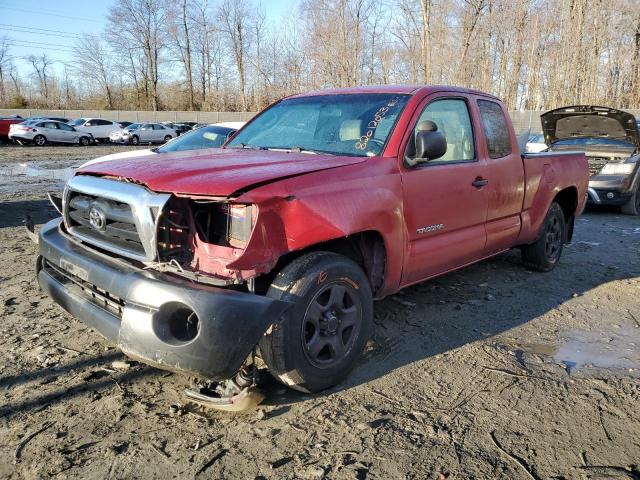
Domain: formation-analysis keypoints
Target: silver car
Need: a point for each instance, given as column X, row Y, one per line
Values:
column 41, row 132
column 137, row 133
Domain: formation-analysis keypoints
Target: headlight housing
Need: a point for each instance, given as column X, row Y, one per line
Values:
column 618, row 169
column 224, row 224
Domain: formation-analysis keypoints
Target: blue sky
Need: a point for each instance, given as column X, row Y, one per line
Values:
column 59, row 22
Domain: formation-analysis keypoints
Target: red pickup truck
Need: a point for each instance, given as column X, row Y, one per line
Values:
column 278, row 242
column 5, row 123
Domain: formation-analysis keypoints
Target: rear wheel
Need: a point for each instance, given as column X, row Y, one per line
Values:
column 135, row 140
column 39, row 140
column 632, row 207
column 319, row 339
column 544, row 254
column 84, row 141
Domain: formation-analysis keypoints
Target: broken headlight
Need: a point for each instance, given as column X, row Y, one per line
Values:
column 617, row 169
column 225, row 224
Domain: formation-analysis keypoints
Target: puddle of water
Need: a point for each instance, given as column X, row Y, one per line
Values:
column 613, row 347
column 34, row 171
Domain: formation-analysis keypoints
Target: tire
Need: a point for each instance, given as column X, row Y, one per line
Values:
column 167, row 138
column 135, row 140
column 545, row 253
column 318, row 340
column 84, row 141
column 39, row 140
column 632, row 207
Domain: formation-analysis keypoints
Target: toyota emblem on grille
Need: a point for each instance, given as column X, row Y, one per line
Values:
column 97, row 218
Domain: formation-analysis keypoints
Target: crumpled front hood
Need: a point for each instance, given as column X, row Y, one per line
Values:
column 589, row 121
column 216, row 171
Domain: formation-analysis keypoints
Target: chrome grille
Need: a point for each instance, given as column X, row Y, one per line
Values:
column 116, row 216
column 119, row 228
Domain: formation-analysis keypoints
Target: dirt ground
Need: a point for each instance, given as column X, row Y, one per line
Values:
column 490, row 372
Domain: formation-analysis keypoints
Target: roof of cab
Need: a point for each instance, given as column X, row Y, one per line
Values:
column 400, row 89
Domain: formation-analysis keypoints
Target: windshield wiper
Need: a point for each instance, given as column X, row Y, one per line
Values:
column 249, row 146
column 294, row 149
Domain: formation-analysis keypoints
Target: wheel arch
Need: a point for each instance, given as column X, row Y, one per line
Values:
column 366, row 248
column 568, row 201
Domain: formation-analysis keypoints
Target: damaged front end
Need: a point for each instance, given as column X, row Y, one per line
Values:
column 146, row 271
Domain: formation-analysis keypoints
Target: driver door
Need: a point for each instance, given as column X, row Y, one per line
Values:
column 445, row 201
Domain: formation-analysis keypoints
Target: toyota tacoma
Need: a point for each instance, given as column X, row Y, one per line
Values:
column 276, row 244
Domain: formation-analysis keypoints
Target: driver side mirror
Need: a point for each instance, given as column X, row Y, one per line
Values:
column 430, row 143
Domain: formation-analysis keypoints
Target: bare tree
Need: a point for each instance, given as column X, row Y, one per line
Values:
column 41, row 65
column 5, row 61
column 92, row 62
column 142, row 24
column 235, row 19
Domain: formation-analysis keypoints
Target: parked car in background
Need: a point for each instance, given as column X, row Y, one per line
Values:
column 610, row 138
column 125, row 124
column 137, row 133
column 209, row 136
column 41, row 132
column 100, row 128
column 44, row 117
column 179, row 128
column 5, row 123
column 535, row 143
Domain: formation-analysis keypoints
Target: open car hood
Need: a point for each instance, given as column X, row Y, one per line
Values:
column 215, row 171
column 589, row 121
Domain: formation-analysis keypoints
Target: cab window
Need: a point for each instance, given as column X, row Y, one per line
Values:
column 451, row 116
column 496, row 131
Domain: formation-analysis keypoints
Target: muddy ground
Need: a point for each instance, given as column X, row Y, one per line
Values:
column 490, row 372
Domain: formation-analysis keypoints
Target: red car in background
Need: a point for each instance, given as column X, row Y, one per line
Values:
column 5, row 123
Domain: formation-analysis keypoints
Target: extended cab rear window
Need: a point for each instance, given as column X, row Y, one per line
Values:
column 496, row 131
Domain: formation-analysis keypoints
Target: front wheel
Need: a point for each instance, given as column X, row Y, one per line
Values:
column 84, row 141
column 167, row 138
column 632, row 207
column 319, row 339
column 135, row 140
column 544, row 254
column 39, row 140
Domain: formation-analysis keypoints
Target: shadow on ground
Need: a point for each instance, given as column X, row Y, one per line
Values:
column 12, row 214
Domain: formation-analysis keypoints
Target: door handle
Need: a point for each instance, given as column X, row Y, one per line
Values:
column 480, row 182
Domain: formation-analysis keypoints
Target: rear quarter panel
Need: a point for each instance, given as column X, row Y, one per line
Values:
column 547, row 174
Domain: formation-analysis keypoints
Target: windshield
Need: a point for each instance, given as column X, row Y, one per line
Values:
column 592, row 141
column 348, row 124
column 205, row 137
column 133, row 126
column 77, row 122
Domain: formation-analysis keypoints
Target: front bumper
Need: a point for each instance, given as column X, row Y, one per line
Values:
column 610, row 189
column 141, row 311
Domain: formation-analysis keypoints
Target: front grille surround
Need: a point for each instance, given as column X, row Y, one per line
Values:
column 132, row 215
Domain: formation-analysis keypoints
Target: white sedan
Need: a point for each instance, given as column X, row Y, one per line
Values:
column 138, row 133
column 98, row 127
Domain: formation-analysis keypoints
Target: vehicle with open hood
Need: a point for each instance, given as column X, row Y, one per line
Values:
column 276, row 244
column 611, row 141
